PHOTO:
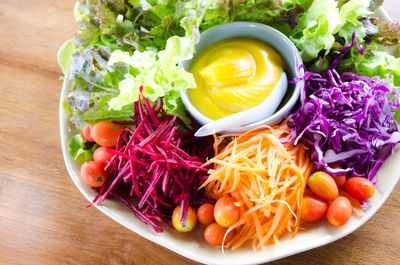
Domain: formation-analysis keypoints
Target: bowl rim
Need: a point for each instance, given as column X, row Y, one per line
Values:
column 278, row 115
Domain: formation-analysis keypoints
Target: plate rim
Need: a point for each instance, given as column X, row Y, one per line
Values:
column 63, row 122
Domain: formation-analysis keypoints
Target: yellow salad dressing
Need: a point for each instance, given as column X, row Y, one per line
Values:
column 233, row 75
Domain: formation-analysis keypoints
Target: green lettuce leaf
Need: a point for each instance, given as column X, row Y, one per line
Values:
column 77, row 152
column 283, row 14
column 316, row 28
column 143, row 25
column 132, row 24
column 124, row 44
column 94, row 83
column 376, row 61
column 158, row 73
column 65, row 55
column 323, row 21
column 350, row 14
column 380, row 63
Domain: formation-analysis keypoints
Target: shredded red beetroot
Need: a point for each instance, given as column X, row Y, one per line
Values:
column 157, row 161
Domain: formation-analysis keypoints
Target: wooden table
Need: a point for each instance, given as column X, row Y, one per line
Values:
column 43, row 219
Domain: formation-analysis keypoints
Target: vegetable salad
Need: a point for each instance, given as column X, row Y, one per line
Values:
column 136, row 142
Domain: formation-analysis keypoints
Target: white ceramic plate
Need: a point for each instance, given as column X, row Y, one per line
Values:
column 194, row 247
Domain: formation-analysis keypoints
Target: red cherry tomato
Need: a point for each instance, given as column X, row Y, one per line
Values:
column 323, row 185
column 190, row 221
column 214, row 234
column 86, row 134
column 313, row 208
column 360, row 188
column 93, row 173
column 105, row 133
column 101, row 155
column 339, row 211
column 205, row 213
column 226, row 212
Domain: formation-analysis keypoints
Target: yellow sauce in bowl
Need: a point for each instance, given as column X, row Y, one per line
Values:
column 233, row 75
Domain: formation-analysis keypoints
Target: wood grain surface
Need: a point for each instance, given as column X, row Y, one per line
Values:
column 43, row 219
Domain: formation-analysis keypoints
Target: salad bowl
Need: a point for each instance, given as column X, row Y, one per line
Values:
column 194, row 247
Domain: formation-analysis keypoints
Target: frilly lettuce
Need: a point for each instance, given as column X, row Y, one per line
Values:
column 127, row 28
column 147, row 39
column 376, row 61
column 350, row 14
column 93, row 84
column 65, row 55
column 322, row 20
column 158, row 73
column 123, row 44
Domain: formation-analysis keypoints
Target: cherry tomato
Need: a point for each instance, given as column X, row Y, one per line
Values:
column 340, row 181
column 86, row 134
column 214, row 234
column 355, row 203
column 105, row 133
column 93, row 173
column 226, row 212
column 205, row 213
column 190, row 221
column 323, row 185
column 101, row 155
column 360, row 188
column 339, row 211
column 313, row 208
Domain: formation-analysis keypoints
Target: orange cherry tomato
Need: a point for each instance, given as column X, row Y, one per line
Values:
column 86, row 134
column 323, row 185
column 214, row 234
column 226, row 212
column 93, row 173
column 340, row 181
column 360, row 188
column 190, row 221
column 313, row 208
column 205, row 213
column 105, row 133
column 339, row 211
column 101, row 155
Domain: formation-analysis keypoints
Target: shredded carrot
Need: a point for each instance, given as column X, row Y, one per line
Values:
column 266, row 178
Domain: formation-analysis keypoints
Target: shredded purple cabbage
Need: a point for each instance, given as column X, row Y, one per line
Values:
column 347, row 120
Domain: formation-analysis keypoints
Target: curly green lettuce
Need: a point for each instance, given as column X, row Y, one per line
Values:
column 324, row 22
column 376, row 61
column 124, row 44
column 158, row 74
column 104, row 89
